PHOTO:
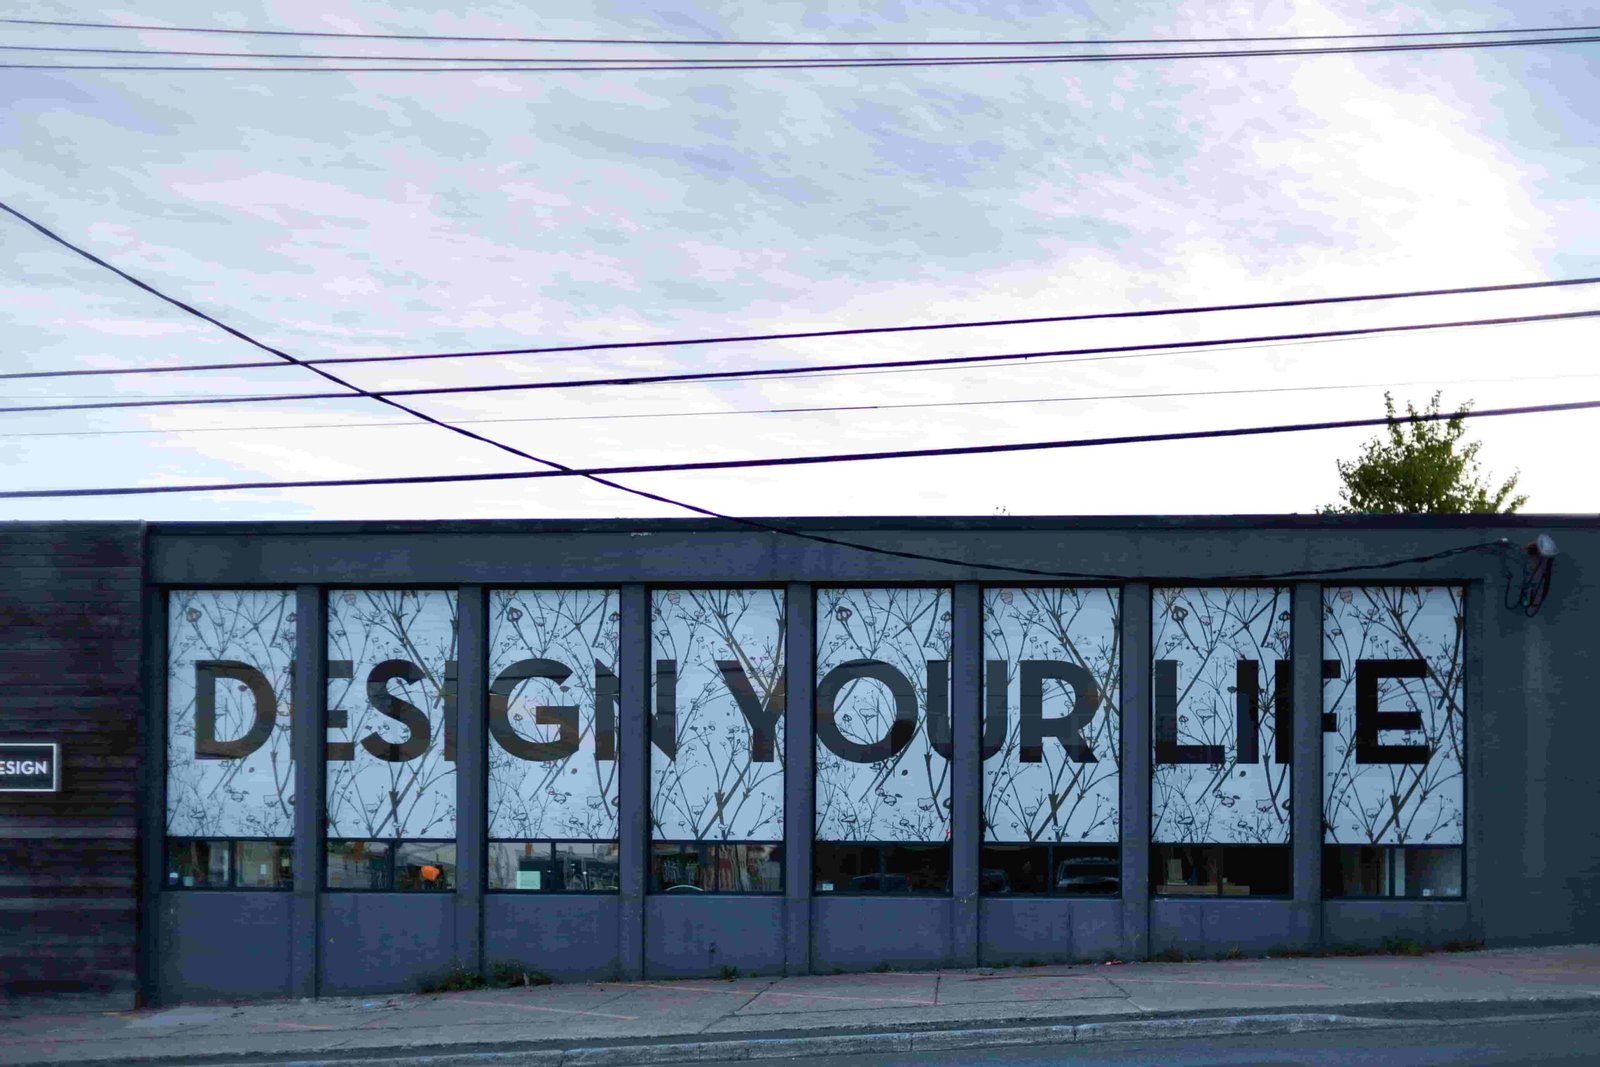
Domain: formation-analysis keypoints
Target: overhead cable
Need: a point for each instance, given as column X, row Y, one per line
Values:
column 1091, row 355
column 778, row 43
column 826, row 458
column 858, row 331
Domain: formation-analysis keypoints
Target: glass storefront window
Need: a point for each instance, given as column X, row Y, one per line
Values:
column 1050, row 870
column 1221, row 870
column 1430, row 873
column 553, row 866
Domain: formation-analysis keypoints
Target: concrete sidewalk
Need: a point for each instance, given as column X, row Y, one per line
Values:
column 709, row 1019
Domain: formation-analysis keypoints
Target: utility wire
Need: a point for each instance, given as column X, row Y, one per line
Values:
column 859, row 331
column 816, row 43
column 813, row 410
column 755, row 524
column 796, row 461
column 1091, row 355
column 830, row 64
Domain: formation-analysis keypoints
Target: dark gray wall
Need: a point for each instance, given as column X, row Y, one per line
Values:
column 71, row 616
column 1533, row 690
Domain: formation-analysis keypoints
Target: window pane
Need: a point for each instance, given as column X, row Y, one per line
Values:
column 428, row 866
column 197, row 864
column 358, row 865
column 1393, row 662
column 1087, row 871
column 747, row 868
column 676, row 868
column 586, row 867
column 1052, row 728
column 1433, row 872
column 265, row 864
column 716, row 730
column 230, row 769
column 524, row 865
column 553, row 714
column 1257, row 871
column 916, row 868
column 1220, row 770
column 391, row 713
column 846, row 868
column 883, row 715
column 1014, row 869
column 1355, row 871
column 1184, row 870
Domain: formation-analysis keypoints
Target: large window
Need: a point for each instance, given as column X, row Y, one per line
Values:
column 716, row 740
column 553, row 694
column 1222, row 741
column 230, row 770
column 391, row 778
column 1394, row 741
column 883, row 741
column 1052, row 732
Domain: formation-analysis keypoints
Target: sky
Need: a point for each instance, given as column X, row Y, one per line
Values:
column 335, row 214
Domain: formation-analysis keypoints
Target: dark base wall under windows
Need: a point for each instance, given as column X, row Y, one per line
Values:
column 75, row 613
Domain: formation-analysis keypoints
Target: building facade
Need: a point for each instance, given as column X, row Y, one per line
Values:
column 297, row 759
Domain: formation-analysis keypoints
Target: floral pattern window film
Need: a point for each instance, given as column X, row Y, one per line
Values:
column 553, row 698
column 883, row 714
column 230, row 661
column 1052, row 727
column 717, row 703
column 1394, row 715
column 391, row 714
column 1221, row 675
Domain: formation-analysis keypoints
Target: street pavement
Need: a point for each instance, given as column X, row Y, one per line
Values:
column 709, row 1019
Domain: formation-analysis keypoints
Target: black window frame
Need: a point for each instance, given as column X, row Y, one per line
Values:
column 551, row 843
column 232, row 885
column 1341, row 846
column 1052, row 868
column 393, row 844
column 1220, row 848
column 883, row 848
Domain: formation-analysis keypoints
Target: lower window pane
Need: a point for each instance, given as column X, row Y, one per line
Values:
column 358, row 865
column 425, row 866
column 1185, row 870
column 1087, row 870
column 1355, row 871
column 1257, row 871
column 749, row 868
column 1020, row 869
column 264, row 864
column 676, row 868
column 1433, row 872
column 841, row 867
column 916, row 868
column 198, row 864
column 586, row 867
column 520, row 865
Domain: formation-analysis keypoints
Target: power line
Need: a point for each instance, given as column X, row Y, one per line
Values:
column 795, row 335
column 840, row 64
column 1094, row 354
column 827, row 43
column 796, row 461
column 755, row 524
column 818, row 409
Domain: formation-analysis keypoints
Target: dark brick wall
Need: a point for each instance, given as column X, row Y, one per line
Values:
column 70, row 654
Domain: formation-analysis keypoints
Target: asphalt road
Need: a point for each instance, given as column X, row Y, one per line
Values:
column 1569, row 1039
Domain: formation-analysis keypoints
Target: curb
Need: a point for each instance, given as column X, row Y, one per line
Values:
column 860, row 1044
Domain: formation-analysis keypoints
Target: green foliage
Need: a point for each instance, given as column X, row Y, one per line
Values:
column 729, row 974
column 506, row 974
column 1421, row 468
column 503, row 975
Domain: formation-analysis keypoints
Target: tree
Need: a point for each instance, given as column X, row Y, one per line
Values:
column 1419, row 468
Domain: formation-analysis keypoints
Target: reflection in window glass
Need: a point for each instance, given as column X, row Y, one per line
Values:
column 883, row 715
column 230, row 768
column 1054, row 870
column 1392, row 766
column 847, row 867
column 553, row 714
column 359, row 865
column 1220, row 670
column 1375, row 871
column 1221, row 870
column 425, row 865
column 264, row 864
column 690, row 867
column 1052, row 726
column 391, row 714
column 553, row 866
